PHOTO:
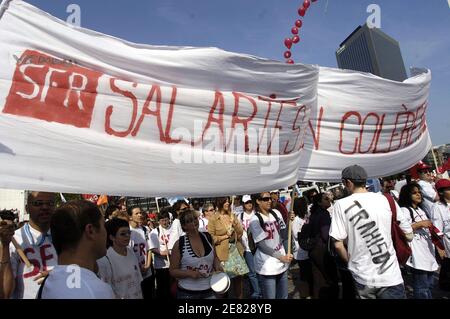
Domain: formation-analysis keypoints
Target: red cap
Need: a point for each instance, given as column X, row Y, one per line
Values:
column 421, row 166
column 442, row 183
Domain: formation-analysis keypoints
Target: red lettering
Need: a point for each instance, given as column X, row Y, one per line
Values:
column 316, row 138
column 362, row 132
column 44, row 256
column 168, row 138
column 109, row 110
column 54, row 92
column 147, row 111
column 36, row 265
column 142, row 249
column 378, row 133
column 237, row 120
column 218, row 101
column 296, row 129
column 341, row 140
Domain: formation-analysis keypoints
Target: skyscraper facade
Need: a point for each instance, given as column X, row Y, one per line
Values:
column 371, row 50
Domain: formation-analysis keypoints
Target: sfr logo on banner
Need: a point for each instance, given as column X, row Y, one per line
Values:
column 46, row 88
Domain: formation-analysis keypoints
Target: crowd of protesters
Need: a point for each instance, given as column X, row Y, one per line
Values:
column 341, row 242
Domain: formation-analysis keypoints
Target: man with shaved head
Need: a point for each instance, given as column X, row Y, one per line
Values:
column 17, row 280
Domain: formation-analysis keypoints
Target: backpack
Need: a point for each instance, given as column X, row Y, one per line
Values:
column 399, row 240
column 251, row 242
column 305, row 241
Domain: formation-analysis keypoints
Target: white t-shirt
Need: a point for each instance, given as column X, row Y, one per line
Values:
column 245, row 218
column 429, row 194
column 139, row 242
column 159, row 237
column 122, row 273
column 203, row 224
column 422, row 247
column 297, row 225
column 265, row 264
column 365, row 219
column 441, row 220
column 75, row 282
column 41, row 254
column 175, row 232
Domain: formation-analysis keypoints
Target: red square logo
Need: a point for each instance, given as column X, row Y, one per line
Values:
column 52, row 89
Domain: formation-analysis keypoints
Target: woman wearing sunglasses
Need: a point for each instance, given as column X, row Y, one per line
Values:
column 120, row 267
column 193, row 260
column 271, row 261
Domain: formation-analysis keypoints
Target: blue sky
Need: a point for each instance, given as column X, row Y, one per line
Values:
column 258, row 27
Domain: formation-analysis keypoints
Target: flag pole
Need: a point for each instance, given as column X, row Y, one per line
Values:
column 19, row 250
column 293, row 195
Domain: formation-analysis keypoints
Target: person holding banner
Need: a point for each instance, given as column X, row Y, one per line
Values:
column 20, row 281
column 429, row 194
column 271, row 261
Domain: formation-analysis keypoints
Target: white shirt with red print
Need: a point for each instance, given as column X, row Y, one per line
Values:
column 159, row 239
column 41, row 254
column 139, row 242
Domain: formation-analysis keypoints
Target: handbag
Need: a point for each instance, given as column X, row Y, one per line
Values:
column 304, row 240
column 235, row 265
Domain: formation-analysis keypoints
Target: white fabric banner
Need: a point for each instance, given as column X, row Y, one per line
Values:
column 367, row 120
column 83, row 112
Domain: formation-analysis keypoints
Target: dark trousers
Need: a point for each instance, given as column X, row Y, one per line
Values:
column 306, row 278
column 163, row 284
column 348, row 284
column 148, row 287
column 324, row 272
column 444, row 275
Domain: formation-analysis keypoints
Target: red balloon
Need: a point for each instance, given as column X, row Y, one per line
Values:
column 288, row 43
column 287, row 54
column 306, row 3
column 290, row 61
column 298, row 23
column 294, row 30
column 295, row 39
column 302, row 11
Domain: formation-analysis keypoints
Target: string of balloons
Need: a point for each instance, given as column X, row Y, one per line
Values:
column 288, row 42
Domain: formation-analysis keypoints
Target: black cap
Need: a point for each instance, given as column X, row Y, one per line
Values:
column 354, row 173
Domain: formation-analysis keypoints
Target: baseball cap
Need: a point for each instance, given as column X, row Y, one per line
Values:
column 421, row 166
column 354, row 173
column 442, row 183
column 246, row 198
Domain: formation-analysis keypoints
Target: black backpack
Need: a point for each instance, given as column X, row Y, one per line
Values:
column 304, row 238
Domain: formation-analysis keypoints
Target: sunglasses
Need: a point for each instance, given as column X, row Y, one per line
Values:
column 248, row 202
column 266, row 199
column 39, row 203
column 210, row 210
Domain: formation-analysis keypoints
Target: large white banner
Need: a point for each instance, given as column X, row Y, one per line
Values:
column 84, row 112
column 364, row 119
